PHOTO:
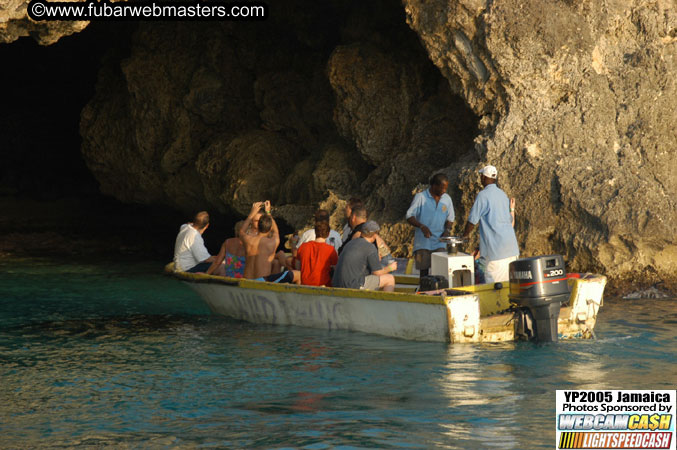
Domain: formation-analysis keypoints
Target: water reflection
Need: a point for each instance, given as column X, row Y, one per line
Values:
column 587, row 372
column 471, row 385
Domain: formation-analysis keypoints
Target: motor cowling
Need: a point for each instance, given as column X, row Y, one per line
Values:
column 539, row 285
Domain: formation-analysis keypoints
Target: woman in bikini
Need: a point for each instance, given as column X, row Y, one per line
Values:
column 230, row 260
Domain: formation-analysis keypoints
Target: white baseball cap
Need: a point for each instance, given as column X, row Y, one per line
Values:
column 489, row 171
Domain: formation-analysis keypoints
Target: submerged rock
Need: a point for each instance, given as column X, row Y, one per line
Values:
column 651, row 292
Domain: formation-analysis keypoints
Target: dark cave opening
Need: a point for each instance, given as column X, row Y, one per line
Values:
column 44, row 181
column 50, row 199
column 48, row 88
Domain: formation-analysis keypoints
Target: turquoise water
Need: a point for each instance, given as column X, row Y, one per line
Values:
column 118, row 355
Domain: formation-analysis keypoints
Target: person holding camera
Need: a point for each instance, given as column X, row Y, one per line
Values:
column 260, row 248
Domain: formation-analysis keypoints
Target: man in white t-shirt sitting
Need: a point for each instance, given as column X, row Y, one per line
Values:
column 334, row 239
column 190, row 253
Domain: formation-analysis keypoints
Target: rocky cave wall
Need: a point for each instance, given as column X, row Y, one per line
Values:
column 578, row 100
column 574, row 102
column 15, row 23
column 296, row 110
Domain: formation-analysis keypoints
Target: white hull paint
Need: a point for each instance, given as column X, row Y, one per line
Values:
column 472, row 316
column 415, row 321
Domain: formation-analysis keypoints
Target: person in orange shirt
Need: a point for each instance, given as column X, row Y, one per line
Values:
column 316, row 258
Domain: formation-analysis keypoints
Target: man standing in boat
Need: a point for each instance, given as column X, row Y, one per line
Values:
column 260, row 248
column 498, row 243
column 358, row 265
column 432, row 213
column 190, row 253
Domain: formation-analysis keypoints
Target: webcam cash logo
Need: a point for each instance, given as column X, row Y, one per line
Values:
column 628, row 419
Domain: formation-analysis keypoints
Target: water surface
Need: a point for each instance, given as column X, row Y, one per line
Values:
column 115, row 354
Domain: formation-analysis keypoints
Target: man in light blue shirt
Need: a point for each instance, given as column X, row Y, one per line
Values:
column 432, row 213
column 498, row 243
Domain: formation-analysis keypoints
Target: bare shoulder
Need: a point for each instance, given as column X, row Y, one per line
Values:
column 268, row 243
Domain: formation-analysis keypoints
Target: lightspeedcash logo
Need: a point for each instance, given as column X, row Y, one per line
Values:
column 639, row 419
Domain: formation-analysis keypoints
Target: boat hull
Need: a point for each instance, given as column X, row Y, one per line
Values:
column 472, row 314
column 415, row 321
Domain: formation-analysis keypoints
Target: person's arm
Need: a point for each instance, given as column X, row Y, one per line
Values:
column 256, row 207
column 218, row 259
column 478, row 210
column 424, row 229
column 414, row 211
column 274, row 230
column 392, row 267
column 447, row 228
column 468, row 229
column 512, row 211
column 297, row 258
column 451, row 214
column 295, row 245
column 373, row 262
column 382, row 246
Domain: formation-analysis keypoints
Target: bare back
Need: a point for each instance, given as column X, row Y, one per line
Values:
column 259, row 248
column 266, row 254
column 235, row 247
column 259, row 251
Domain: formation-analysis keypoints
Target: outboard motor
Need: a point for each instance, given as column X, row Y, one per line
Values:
column 539, row 285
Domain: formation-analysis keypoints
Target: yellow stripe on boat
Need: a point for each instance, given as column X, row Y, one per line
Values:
column 309, row 290
column 464, row 314
column 491, row 300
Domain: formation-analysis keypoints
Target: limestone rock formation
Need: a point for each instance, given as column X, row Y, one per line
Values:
column 578, row 104
column 574, row 102
column 224, row 114
column 15, row 23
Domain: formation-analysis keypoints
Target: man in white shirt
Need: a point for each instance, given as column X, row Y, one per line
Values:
column 334, row 239
column 190, row 253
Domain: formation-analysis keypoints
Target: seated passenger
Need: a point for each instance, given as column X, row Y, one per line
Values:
column 231, row 259
column 333, row 239
column 350, row 205
column 190, row 253
column 260, row 247
column 316, row 258
column 358, row 265
column 357, row 219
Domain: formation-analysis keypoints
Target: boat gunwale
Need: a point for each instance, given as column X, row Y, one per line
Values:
column 344, row 292
column 203, row 278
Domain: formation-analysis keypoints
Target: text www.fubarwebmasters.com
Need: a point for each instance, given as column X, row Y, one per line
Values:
column 147, row 10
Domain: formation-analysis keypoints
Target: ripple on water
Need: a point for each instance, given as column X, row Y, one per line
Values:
column 106, row 355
